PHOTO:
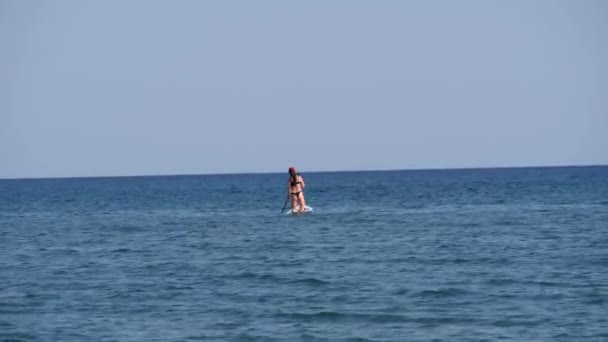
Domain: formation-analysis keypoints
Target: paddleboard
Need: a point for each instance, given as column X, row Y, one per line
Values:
column 307, row 210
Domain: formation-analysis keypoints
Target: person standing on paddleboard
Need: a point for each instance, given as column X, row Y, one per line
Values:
column 295, row 188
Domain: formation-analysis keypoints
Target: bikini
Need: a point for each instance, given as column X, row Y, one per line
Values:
column 294, row 183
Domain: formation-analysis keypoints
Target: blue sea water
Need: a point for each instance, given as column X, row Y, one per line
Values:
column 446, row 255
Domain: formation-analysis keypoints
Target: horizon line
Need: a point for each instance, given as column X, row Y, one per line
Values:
column 312, row 171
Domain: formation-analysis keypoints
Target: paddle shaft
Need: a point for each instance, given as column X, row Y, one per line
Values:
column 285, row 205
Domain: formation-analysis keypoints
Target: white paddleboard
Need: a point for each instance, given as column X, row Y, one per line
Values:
column 307, row 210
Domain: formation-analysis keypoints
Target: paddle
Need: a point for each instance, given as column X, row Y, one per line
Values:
column 285, row 205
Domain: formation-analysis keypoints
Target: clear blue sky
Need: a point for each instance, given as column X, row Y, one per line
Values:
column 94, row 88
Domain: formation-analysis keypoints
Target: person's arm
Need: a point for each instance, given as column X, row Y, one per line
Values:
column 302, row 182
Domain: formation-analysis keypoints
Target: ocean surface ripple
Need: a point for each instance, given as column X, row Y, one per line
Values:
column 443, row 255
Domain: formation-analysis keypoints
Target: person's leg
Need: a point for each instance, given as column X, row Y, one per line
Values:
column 302, row 201
column 294, row 201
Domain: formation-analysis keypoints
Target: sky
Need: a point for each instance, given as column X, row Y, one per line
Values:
column 144, row 87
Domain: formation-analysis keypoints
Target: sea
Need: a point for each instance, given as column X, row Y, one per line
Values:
column 507, row 254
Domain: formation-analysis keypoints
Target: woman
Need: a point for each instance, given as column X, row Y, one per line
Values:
column 295, row 188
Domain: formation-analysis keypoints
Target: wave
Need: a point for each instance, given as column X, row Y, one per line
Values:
column 18, row 337
column 257, row 276
column 334, row 316
column 401, row 292
column 441, row 293
column 509, row 323
column 509, row 281
column 381, row 318
column 310, row 281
